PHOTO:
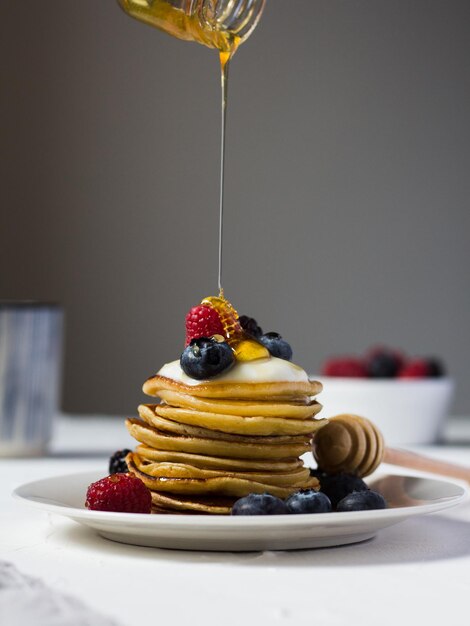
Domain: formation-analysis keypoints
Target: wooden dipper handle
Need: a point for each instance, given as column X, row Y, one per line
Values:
column 426, row 464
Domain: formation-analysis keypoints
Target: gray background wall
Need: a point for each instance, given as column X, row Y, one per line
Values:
column 347, row 185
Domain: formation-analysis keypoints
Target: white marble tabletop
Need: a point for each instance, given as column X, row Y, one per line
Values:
column 414, row 573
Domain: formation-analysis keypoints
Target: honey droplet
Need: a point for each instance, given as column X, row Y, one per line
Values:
column 245, row 347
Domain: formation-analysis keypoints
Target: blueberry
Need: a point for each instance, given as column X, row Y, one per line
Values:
column 259, row 504
column 276, row 345
column 383, row 364
column 117, row 462
column 436, row 368
column 362, row 501
column 206, row 357
column 308, row 501
column 337, row 486
column 250, row 325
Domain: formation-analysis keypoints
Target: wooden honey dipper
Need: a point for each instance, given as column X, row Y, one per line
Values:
column 353, row 444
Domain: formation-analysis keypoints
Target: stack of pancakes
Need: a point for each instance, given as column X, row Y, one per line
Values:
column 206, row 445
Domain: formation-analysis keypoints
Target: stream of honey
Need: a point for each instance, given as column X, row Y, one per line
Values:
column 164, row 15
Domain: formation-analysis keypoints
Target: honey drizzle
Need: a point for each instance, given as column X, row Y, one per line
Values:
column 184, row 21
column 244, row 346
column 224, row 68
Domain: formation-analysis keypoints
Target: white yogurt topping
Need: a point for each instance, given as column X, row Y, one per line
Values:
column 260, row 371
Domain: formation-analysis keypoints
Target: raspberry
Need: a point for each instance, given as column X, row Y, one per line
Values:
column 348, row 367
column 122, row 493
column 202, row 321
column 417, row 368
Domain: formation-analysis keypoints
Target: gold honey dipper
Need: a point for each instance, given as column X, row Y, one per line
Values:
column 353, row 444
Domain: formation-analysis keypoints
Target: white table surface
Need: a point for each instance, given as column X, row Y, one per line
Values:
column 417, row 572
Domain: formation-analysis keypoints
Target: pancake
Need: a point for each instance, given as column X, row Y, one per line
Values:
column 158, row 510
column 242, row 408
column 283, row 391
column 208, row 443
column 240, row 448
column 217, row 463
column 180, row 470
column 173, row 503
column 256, row 425
column 147, row 413
column 224, row 485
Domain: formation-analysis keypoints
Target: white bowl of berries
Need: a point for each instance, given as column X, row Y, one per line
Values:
column 407, row 398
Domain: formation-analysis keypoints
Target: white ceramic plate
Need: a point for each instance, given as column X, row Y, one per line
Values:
column 407, row 496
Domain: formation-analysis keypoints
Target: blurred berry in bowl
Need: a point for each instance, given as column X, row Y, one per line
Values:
column 345, row 367
column 407, row 398
column 382, row 362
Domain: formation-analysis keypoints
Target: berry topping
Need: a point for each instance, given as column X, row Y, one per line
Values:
column 250, row 326
column 202, row 321
column 362, row 501
column 345, row 366
column 436, row 368
column 337, row 486
column 276, row 345
column 117, row 462
column 383, row 363
column 308, row 501
column 259, row 504
column 206, row 357
column 123, row 493
column 416, row 368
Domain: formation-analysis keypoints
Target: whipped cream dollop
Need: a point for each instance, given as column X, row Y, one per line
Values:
column 260, row 371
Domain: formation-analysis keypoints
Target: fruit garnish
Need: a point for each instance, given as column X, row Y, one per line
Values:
column 422, row 368
column 206, row 357
column 416, row 368
column 117, row 462
column 362, row 501
column 121, row 493
column 338, row 486
column 250, row 326
column 349, row 367
column 202, row 321
column 227, row 314
column 276, row 345
column 383, row 363
column 245, row 347
column 308, row 501
column 259, row 504
column 436, row 368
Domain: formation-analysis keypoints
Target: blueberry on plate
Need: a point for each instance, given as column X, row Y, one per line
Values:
column 117, row 462
column 362, row 501
column 337, row 486
column 276, row 345
column 308, row 501
column 206, row 357
column 259, row 504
